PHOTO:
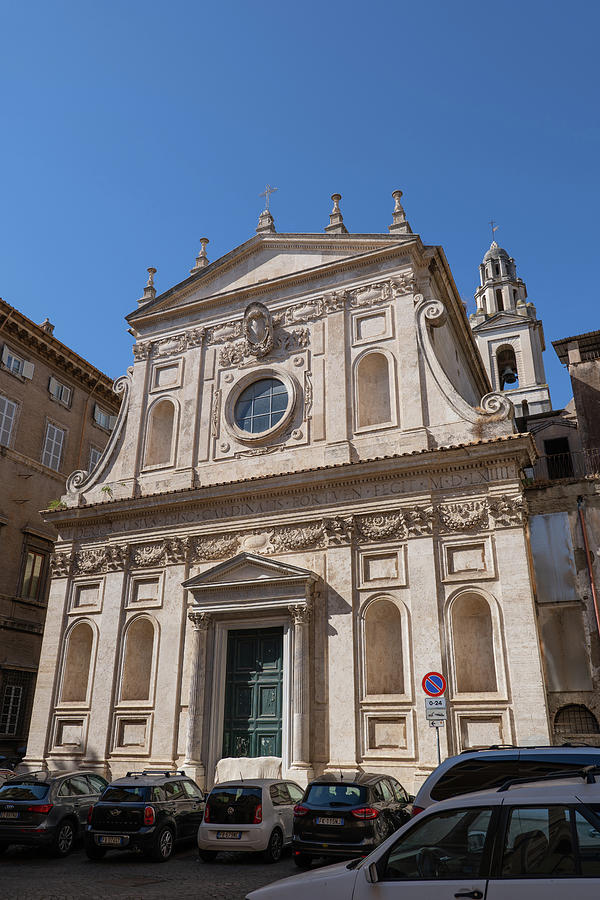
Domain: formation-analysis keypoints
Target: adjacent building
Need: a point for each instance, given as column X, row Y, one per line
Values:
column 56, row 414
column 312, row 497
column 563, row 499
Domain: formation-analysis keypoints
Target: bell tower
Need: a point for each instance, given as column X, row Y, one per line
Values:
column 509, row 335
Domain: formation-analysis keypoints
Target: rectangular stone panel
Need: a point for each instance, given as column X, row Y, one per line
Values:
column 145, row 589
column 467, row 558
column 69, row 733
column 86, row 594
column 386, row 733
column 132, row 732
column 481, row 731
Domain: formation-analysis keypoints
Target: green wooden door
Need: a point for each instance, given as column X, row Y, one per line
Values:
column 253, row 693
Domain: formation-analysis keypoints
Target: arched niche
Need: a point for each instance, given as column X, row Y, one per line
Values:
column 138, row 657
column 383, row 647
column 506, row 361
column 373, row 390
column 78, row 658
column 473, row 645
column 160, row 433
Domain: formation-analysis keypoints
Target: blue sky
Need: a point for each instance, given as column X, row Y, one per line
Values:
column 132, row 129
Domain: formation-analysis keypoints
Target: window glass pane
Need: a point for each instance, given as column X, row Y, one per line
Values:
column 336, row 795
column 447, row 845
column 79, row 786
column 588, row 838
column 97, row 783
column 474, row 775
column 173, row 790
column 94, row 458
column 261, row 405
column 11, row 707
column 129, row 794
column 53, row 446
column 192, row 790
column 25, row 791
column 538, row 842
column 296, row 793
column 31, row 577
column 386, row 791
column 8, row 411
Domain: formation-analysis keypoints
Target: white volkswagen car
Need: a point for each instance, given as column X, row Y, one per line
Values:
column 255, row 815
column 535, row 842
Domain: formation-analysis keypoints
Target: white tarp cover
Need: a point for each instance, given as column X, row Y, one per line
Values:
column 231, row 768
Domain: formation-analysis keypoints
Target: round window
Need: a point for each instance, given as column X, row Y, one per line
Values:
column 261, row 405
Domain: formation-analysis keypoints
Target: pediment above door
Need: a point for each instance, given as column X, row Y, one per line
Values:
column 249, row 582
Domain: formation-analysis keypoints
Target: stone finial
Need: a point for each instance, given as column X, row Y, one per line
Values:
column 47, row 326
column 399, row 221
column 202, row 259
column 266, row 223
column 149, row 290
column 336, row 219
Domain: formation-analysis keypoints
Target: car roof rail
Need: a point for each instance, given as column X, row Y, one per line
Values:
column 587, row 773
column 491, row 747
column 164, row 773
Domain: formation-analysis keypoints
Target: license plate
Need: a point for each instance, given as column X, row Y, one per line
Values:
column 114, row 839
column 9, row 815
column 329, row 821
column 229, row 835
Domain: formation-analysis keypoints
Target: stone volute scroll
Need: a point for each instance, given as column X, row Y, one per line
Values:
column 80, row 481
column 494, row 409
column 257, row 327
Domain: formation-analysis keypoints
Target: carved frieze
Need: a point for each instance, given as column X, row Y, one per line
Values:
column 384, row 527
column 90, row 562
column 465, row 516
column 116, row 557
column 301, row 538
column 60, row 565
column 308, row 395
column 338, row 530
column 169, row 346
column 507, row 511
column 207, row 548
column 418, row 520
column 170, row 551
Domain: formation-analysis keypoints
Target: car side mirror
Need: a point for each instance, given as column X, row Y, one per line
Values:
column 371, row 873
column 411, row 798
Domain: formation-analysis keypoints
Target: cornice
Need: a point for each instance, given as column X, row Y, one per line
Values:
column 146, row 314
column 518, row 449
column 13, row 324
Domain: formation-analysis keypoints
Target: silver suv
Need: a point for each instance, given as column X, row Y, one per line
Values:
column 483, row 770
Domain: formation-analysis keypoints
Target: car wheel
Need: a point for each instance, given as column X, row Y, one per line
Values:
column 164, row 844
column 207, row 855
column 303, row 860
column 275, row 847
column 64, row 838
column 94, row 852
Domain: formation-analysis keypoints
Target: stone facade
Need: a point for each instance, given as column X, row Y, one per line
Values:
column 373, row 520
column 48, row 396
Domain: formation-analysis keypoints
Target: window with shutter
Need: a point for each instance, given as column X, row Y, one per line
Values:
column 95, row 455
column 104, row 419
column 16, row 364
column 60, row 391
column 53, row 446
column 8, row 412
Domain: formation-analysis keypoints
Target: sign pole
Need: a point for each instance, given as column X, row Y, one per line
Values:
column 437, row 731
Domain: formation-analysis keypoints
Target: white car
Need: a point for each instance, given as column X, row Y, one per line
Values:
column 256, row 815
column 534, row 842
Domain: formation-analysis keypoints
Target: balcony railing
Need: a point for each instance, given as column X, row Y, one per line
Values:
column 565, row 465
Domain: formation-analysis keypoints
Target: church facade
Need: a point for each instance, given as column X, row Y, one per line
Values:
column 311, row 498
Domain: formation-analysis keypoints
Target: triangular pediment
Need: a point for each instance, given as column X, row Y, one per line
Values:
column 503, row 320
column 249, row 569
column 267, row 258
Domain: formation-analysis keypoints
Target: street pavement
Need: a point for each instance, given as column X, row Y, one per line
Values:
column 27, row 874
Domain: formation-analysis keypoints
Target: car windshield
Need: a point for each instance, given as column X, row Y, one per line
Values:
column 232, row 796
column 26, row 791
column 125, row 794
column 336, row 795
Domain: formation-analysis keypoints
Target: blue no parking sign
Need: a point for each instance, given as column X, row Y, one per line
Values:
column 434, row 684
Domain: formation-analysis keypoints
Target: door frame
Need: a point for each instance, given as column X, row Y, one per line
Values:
column 217, row 701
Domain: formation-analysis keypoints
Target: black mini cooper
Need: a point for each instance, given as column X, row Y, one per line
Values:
column 344, row 816
column 148, row 811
